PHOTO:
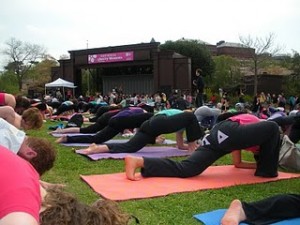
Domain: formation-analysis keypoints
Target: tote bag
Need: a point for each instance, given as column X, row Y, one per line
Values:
column 289, row 155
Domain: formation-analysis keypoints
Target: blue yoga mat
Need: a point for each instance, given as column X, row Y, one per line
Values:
column 214, row 218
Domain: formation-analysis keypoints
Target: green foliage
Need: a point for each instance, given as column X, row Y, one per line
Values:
column 40, row 73
column 172, row 209
column 196, row 50
column 227, row 73
column 8, row 83
column 292, row 82
column 296, row 64
column 22, row 56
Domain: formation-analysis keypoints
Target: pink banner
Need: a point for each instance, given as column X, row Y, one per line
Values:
column 110, row 57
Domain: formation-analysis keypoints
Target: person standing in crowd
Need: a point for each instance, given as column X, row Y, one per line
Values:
column 199, row 83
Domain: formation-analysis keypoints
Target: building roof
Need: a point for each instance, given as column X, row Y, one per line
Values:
column 231, row 44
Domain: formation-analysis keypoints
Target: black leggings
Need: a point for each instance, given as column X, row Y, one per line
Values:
column 114, row 127
column 224, row 138
column 64, row 108
column 101, row 122
column 294, row 134
column 157, row 125
column 103, row 109
column 272, row 209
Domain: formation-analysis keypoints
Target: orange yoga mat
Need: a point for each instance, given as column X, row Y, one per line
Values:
column 118, row 187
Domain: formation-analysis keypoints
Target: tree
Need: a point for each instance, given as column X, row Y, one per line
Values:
column 8, row 82
column 296, row 64
column 264, row 50
column 227, row 74
column 292, row 84
column 40, row 74
column 196, row 50
column 22, row 56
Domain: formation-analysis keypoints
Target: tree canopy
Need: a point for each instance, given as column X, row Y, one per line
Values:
column 265, row 48
column 22, row 56
column 196, row 50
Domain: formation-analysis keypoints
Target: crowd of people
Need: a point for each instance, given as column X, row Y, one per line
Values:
column 24, row 198
column 208, row 130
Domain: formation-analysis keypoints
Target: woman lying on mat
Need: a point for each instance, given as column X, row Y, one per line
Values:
column 164, row 122
column 29, row 203
column 267, row 211
column 128, row 118
column 244, row 131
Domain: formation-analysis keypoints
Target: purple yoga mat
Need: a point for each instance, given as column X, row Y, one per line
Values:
column 69, row 134
column 149, row 151
column 116, row 141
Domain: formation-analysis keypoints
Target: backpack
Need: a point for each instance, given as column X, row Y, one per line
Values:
column 75, row 121
column 289, row 155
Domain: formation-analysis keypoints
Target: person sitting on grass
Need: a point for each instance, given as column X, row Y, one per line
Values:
column 263, row 212
column 243, row 131
column 164, row 122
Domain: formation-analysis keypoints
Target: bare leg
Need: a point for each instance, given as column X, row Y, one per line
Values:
column 192, row 146
column 235, row 214
column 131, row 164
column 62, row 139
column 93, row 148
column 160, row 139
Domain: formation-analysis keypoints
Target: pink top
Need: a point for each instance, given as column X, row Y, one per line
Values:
column 20, row 188
column 247, row 119
column 2, row 98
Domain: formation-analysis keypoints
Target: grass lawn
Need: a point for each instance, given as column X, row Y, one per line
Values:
column 173, row 209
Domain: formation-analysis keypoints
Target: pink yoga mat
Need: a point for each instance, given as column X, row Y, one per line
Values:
column 118, row 187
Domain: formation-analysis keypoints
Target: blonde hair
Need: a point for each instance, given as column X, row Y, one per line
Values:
column 33, row 118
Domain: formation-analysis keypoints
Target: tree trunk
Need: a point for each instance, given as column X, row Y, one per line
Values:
column 19, row 78
column 255, row 78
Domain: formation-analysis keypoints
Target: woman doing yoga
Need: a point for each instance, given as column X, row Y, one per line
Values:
column 244, row 131
column 129, row 118
column 164, row 122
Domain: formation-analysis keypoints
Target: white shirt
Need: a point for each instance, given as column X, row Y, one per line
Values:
column 10, row 136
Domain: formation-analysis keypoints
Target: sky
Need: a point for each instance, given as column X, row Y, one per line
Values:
column 64, row 25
